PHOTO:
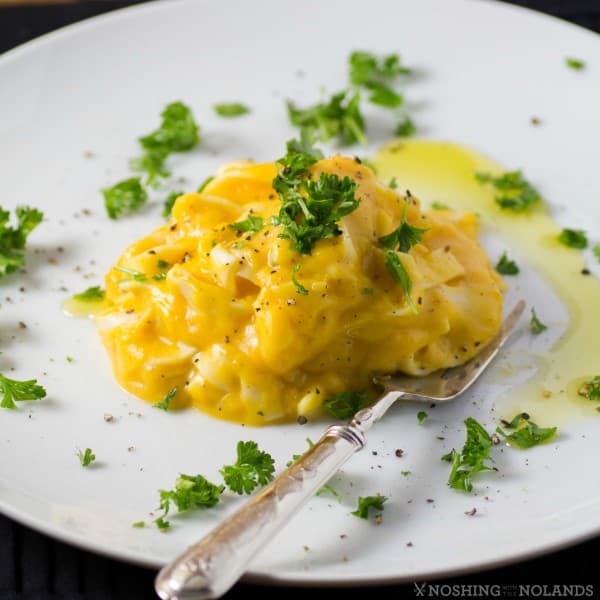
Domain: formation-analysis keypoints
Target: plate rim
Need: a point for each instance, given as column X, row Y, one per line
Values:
column 257, row 576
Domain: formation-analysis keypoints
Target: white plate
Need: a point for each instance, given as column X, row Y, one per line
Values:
column 484, row 70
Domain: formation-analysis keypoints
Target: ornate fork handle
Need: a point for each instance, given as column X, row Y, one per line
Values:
column 210, row 567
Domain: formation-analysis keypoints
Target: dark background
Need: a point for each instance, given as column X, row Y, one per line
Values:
column 35, row 567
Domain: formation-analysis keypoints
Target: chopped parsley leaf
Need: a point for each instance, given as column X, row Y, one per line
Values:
column 516, row 193
column 13, row 240
column 574, row 63
column 383, row 95
column 393, row 184
column 471, row 459
column 365, row 67
column 162, row 266
column 515, row 421
column 367, row 502
column 135, row 275
column 591, row 389
column 162, row 524
column 191, row 491
column 93, row 293
column 405, row 473
column 139, row 524
column 124, row 197
column 439, row 206
column 527, row 435
column 86, row 458
column 204, row 184
column 252, row 224
column 368, row 291
column 506, row 266
column 405, row 236
column 406, row 128
column 596, row 251
column 340, row 118
column 310, row 210
column 573, row 238
column 396, row 269
column 421, row 416
column 326, row 488
column 178, row 132
column 300, row 289
column 536, row 325
column 231, row 109
column 166, row 401
column 252, row 468
column 345, row 405
column 168, row 206
column 376, row 75
column 18, row 391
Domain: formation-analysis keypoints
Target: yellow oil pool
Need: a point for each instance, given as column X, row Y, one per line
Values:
column 444, row 172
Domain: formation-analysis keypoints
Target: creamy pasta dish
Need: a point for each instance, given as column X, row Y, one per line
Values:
column 256, row 304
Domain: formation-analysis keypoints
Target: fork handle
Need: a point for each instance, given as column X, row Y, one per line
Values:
column 210, row 567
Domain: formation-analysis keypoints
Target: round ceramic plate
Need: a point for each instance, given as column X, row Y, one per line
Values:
column 73, row 104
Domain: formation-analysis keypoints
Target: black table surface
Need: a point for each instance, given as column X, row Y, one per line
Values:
column 36, row 567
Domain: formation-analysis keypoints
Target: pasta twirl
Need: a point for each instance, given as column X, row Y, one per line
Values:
column 215, row 312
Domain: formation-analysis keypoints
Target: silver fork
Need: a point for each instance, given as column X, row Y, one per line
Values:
column 210, row 567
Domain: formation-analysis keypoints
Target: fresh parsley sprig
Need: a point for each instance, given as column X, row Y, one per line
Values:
column 367, row 502
column 573, row 238
column 396, row 269
column 178, row 132
column 14, row 239
column 506, row 266
column 535, row 324
column 471, row 459
column 526, row 433
column 18, row 391
column 86, row 458
column 165, row 403
column 92, row 294
column 124, row 197
column 591, row 388
column 339, row 117
column 138, row 276
column 203, row 185
column 515, row 193
column 162, row 266
column 169, row 202
column 252, row 224
column 377, row 75
column 405, row 236
column 231, row 109
column 191, row 492
column 310, row 210
column 574, row 63
column 252, row 468
column 405, row 128
column 300, row 289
